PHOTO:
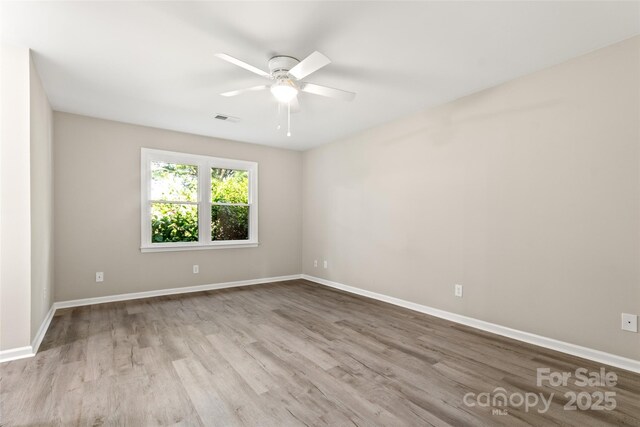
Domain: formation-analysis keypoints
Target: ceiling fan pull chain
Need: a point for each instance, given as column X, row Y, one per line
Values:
column 289, row 119
column 279, row 116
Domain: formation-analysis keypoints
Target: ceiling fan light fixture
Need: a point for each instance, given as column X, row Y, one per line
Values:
column 284, row 90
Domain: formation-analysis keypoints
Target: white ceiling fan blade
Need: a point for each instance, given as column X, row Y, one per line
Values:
column 327, row 91
column 243, row 64
column 311, row 63
column 240, row 91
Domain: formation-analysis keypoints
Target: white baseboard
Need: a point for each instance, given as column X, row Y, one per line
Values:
column 30, row 351
column 37, row 340
column 171, row 291
column 550, row 343
column 15, row 353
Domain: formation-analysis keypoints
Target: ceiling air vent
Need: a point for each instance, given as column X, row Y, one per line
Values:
column 226, row 118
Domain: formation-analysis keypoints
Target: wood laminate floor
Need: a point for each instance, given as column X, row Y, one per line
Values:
column 290, row 353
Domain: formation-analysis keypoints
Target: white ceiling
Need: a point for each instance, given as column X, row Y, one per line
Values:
column 152, row 63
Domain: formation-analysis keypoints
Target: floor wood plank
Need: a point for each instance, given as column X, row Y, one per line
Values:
column 284, row 354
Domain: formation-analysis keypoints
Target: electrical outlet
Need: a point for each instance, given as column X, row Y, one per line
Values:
column 196, row 269
column 457, row 291
column 99, row 276
column 315, row 263
column 629, row 322
column 326, row 264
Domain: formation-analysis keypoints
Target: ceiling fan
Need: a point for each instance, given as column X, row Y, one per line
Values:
column 286, row 73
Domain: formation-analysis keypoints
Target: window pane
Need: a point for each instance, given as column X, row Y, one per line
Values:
column 229, row 186
column 172, row 222
column 175, row 182
column 229, row 222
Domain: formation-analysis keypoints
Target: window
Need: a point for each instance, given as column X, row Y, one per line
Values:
column 197, row 202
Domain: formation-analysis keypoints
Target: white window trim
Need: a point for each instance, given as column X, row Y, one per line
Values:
column 204, row 163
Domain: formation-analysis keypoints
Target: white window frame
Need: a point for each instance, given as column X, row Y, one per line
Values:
column 205, row 164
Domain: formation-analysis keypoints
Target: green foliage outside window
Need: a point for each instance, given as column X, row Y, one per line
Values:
column 229, row 186
column 174, row 223
column 174, row 182
column 229, row 222
column 178, row 222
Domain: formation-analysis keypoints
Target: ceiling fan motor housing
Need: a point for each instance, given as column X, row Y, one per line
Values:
column 280, row 65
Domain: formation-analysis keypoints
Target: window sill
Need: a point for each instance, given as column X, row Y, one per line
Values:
column 174, row 248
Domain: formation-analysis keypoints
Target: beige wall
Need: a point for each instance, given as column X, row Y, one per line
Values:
column 97, row 212
column 41, row 157
column 15, row 232
column 527, row 194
